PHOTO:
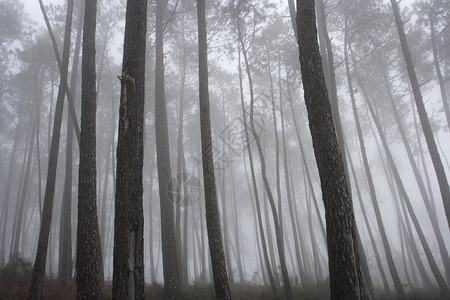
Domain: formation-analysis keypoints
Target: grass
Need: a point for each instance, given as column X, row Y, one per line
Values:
column 15, row 277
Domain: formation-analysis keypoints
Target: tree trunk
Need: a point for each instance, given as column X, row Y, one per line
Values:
column 341, row 227
column 37, row 277
column 170, row 269
column 128, row 273
column 65, row 228
column 392, row 268
column 212, row 211
column 89, row 250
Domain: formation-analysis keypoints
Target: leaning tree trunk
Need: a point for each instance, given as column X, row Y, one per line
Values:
column 128, row 273
column 390, row 259
column 37, row 277
column 212, row 210
column 89, row 250
column 432, row 148
column 344, row 262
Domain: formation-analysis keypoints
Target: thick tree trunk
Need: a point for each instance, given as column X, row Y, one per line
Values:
column 212, row 211
column 344, row 262
column 128, row 274
column 37, row 276
column 89, row 250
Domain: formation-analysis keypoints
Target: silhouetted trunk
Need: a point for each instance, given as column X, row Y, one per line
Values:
column 344, row 263
column 65, row 264
column 212, row 210
column 61, row 67
column 128, row 274
column 390, row 260
column 254, row 184
column 432, row 148
column 23, row 194
column 37, row 277
column 170, row 270
column 437, row 67
column 440, row 280
column 6, row 200
column 89, row 250
column 420, row 184
column 276, row 220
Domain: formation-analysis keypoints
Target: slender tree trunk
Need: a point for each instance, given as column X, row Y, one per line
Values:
column 441, row 282
column 212, row 211
column 432, row 148
column 6, row 201
column 421, row 185
column 37, row 276
column 341, row 227
column 128, row 274
column 61, row 67
column 276, row 220
column 169, row 254
column 437, row 67
column 65, row 227
column 392, row 268
column 254, row 184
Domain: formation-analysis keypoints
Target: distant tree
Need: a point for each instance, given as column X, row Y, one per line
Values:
column 425, row 122
column 170, row 270
column 343, row 255
column 128, row 274
column 38, row 274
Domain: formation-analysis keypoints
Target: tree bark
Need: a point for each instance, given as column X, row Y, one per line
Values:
column 89, row 250
column 128, row 273
column 341, row 227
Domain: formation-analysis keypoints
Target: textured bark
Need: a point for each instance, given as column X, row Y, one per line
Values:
column 128, row 274
column 170, row 270
column 37, row 277
column 432, row 148
column 344, row 263
column 212, row 210
column 89, row 251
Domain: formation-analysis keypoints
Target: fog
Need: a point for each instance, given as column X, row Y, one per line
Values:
column 256, row 194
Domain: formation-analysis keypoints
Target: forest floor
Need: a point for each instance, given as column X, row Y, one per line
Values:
column 14, row 282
